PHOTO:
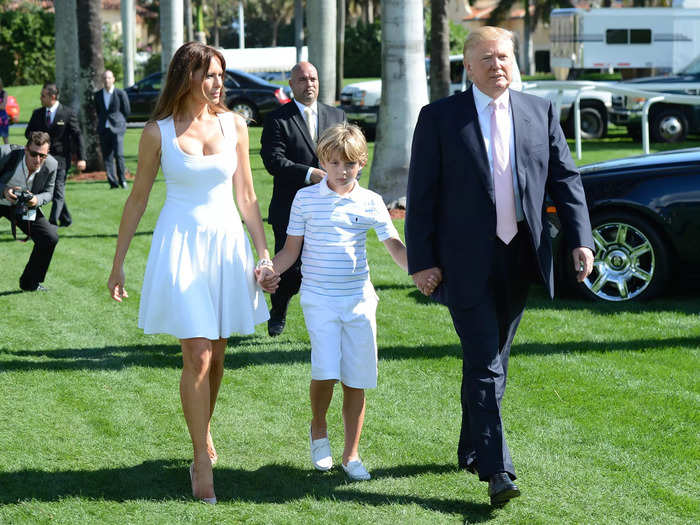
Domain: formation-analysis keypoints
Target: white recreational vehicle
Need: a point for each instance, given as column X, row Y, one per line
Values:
column 665, row 39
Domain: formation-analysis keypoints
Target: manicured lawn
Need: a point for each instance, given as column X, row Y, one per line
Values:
column 601, row 411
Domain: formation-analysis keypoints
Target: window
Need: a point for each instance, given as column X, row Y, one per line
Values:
column 617, row 36
column 640, row 36
column 628, row 36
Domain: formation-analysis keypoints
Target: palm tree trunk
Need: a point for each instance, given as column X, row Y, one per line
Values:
column 439, row 50
column 298, row 27
column 171, row 29
column 92, row 66
column 404, row 92
column 128, row 13
column 321, row 21
column 67, row 60
column 340, row 60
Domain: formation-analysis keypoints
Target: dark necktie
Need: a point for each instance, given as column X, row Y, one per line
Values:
column 48, row 117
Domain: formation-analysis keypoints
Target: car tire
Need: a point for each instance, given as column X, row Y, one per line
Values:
column 631, row 260
column 245, row 109
column 669, row 125
column 594, row 123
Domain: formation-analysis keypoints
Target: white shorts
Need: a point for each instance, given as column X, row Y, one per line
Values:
column 343, row 334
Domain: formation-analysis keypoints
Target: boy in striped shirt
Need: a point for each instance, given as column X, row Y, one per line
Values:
column 330, row 220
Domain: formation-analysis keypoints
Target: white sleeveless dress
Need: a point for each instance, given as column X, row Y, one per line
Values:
column 199, row 279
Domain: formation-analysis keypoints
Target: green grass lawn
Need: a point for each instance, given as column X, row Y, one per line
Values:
column 601, row 412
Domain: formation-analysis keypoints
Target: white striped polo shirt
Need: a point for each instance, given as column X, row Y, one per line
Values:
column 334, row 227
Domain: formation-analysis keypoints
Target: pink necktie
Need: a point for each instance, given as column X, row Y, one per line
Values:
column 506, row 225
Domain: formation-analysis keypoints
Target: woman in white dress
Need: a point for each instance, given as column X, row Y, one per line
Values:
column 200, row 281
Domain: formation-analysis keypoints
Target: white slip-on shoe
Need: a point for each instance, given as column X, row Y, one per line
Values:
column 321, row 453
column 356, row 471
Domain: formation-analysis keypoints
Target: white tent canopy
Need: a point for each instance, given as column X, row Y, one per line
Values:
column 257, row 59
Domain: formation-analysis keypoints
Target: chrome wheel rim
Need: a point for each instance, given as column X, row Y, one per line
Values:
column 245, row 111
column 670, row 128
column 624, row 262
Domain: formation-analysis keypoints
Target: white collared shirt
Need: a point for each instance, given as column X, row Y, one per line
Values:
column 334, row 227
column 314, row 112
column 52, row 109
column 107, row 95
column 482, row 101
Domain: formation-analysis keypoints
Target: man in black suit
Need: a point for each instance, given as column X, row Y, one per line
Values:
column 288, row 150
column 113, row 108
column 61, row 123
column 30, row 169
column 481, row 163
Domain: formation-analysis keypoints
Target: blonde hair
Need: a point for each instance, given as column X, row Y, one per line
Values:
column 188, row 59
column 486, row 33
column 346, row 139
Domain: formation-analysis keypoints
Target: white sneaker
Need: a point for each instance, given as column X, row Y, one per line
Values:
column 321, row 453
column 356, row 471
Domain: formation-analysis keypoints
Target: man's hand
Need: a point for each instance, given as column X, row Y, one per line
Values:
column 583, row 262
column 316, row 175
column 427, row 280
column 33, row 202
column 9, row 194
column 80, row 165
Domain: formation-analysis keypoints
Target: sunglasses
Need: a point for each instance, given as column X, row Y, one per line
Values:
column 36, row 154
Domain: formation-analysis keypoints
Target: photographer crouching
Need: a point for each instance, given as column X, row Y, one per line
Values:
column 27, row 178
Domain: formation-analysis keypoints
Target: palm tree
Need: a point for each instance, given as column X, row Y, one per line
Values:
column 171, row 29
column 321, row 23
column 404, row 92
column 92, row 66
column 439, row 50
column 67, row 61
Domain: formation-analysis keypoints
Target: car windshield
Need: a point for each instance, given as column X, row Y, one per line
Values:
column 693, row 68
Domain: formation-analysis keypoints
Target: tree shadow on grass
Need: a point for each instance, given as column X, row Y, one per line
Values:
column 271, row 484
column 287, row 353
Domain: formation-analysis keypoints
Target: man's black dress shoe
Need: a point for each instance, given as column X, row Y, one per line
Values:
column 124, row 185
column 275, row 325
column 37, row 288
column 502, row 489
column 64, row 224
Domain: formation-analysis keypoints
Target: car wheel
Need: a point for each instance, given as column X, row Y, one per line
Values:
column 669, row 126
column 246, row 110
column 631, row 260
column 593, row 124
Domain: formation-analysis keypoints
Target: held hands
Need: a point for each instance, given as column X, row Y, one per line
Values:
column 317, row 175
column 115, row 285
column 80, row 165
column 583, row 262
column 266, row 276
column 427, row 280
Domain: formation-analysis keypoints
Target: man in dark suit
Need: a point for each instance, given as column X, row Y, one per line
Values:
column 30, row 169
column 113, row 108
column 288, row 150
column 481, row 163
column 61, row 123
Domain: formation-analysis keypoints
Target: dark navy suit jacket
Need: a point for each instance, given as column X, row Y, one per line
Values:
column 451, row 210
column 116, row 114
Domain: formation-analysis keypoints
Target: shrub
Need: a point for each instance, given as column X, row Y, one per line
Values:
column 27, row 42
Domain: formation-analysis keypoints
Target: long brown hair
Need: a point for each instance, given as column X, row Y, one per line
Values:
column 188, row 59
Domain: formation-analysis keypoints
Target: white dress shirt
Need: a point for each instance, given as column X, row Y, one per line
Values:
column 314, row 112
column 482, row 101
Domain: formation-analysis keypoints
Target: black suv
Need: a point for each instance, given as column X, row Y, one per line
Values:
column 667, row 122
column 246, row 94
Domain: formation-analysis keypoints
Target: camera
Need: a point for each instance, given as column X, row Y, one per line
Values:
column 21, row 204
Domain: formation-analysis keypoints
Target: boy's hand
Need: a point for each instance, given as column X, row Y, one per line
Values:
column 427, row 280
column 267, row 278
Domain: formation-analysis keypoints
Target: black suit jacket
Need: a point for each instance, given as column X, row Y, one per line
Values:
column 288, row 151
column 116, row 114
column 64, row 131
column 451, row 211
column 44, row 181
